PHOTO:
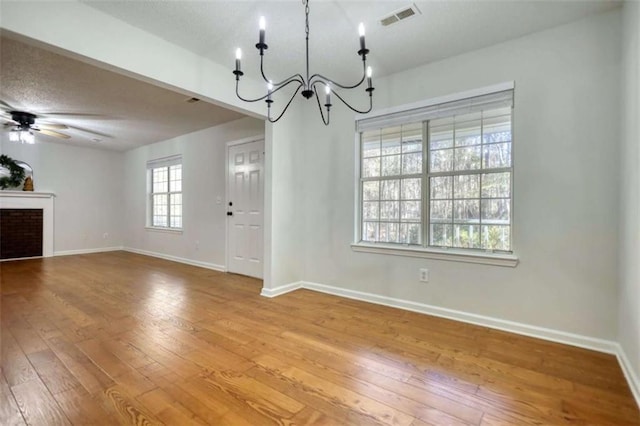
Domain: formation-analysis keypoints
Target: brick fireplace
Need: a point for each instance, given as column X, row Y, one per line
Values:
column 20, row 233
column 26, row 224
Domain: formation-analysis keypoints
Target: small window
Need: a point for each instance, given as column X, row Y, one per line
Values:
column 439, row 176
column 165, row 193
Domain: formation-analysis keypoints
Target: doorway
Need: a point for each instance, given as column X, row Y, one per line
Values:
column 245, row 207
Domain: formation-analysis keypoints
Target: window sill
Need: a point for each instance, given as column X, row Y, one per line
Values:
column 165, row 230
column 496, row 259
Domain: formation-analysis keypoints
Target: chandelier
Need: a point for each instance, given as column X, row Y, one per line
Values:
column 308, row 83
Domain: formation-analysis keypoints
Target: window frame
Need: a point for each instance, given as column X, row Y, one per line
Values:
column 424, row 250
column 164, row 163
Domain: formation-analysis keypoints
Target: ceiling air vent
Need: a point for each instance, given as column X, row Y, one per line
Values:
column 399, row 15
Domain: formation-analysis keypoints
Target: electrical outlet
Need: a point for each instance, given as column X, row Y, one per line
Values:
column 197, row 245
column 105, row 235
column 424, row 275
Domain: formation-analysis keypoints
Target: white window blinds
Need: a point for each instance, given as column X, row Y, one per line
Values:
column 446, row 109
column 164, row 161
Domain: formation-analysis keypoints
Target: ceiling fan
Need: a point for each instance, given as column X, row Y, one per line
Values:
column 23, row 124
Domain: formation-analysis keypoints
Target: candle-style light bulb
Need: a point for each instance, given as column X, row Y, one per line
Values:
column 327, row 91
column 269, row 90
column 361, row 31
column 369, row 73
column 263, row 25
column 238, row 58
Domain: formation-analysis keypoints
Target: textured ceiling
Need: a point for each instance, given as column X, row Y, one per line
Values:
column 445, row 28
column 120, row 111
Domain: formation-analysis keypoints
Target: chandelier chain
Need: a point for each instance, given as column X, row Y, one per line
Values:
column 306, row 12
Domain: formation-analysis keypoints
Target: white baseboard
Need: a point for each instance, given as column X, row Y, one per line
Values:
column 629, row 373
column 86, row 251
column 278, row 291
column 207, row 265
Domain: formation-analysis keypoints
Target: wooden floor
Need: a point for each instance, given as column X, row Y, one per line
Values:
column 118, row 338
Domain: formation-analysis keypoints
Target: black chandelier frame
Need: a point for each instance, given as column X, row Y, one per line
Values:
column 307, row 84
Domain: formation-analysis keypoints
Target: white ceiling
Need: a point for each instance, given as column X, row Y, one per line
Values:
column 445, row 28
column 125, row 112
column 119, row 111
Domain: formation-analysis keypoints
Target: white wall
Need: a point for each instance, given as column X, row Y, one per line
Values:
column 88, row 187
column 203, row 173
column 283, row 239
column 566, row 175
column 629, row 306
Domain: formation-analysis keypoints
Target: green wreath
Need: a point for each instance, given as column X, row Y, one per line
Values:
column 17, row 173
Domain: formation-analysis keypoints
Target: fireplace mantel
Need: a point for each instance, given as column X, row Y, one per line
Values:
column 25, row 194
column 34, row 200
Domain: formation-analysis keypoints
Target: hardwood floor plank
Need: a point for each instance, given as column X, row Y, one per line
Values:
column 56, row 377
column 9, row 412
column 167, row 409
column 92, row 378
column 81, row 408
column 260, row 396
column 128, row 353
column 334, row 393
column 120, row 338
column 204, row 407
column 162, row 355
column 37, row 405
column 311, row 417
column 129, row 411
column 27, row 337
column 119, row 371
column 15, row 365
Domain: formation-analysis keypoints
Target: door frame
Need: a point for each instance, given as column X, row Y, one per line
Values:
column 229, row 144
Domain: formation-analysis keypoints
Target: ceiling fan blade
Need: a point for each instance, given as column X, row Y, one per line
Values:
column 6, row 105
column 54, row 134
column 72, row 114
column 52, row 126
column 5, row 115
column 91, row 132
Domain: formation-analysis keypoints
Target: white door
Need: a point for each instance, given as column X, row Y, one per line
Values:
column 245, row 194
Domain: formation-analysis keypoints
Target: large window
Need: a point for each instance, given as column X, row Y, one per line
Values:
column 439, row 176
column 165, row 193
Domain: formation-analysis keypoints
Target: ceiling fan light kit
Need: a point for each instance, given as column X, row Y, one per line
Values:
column 308, row 82
column 22, row 131
column 22, row 136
